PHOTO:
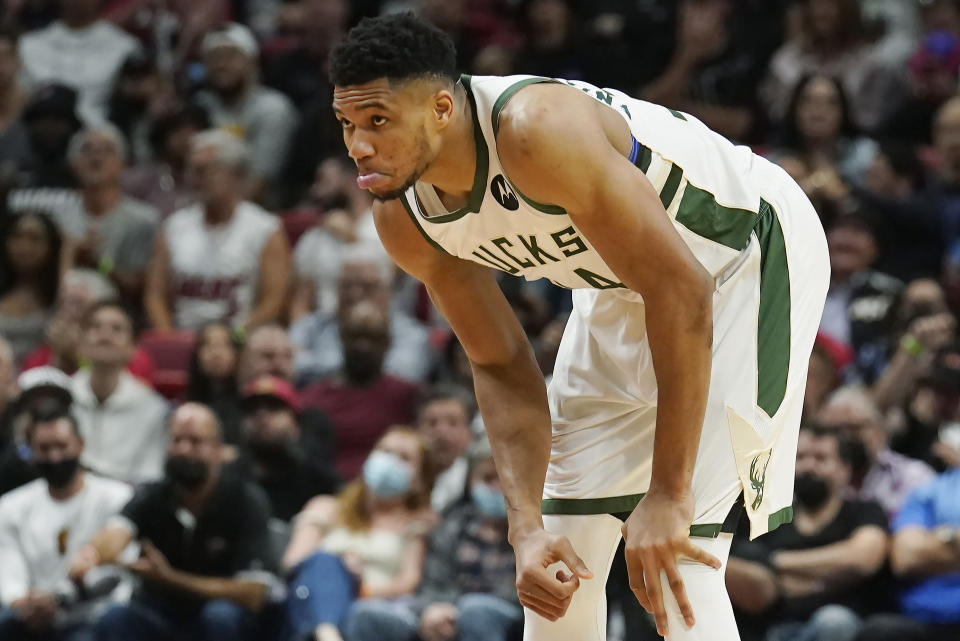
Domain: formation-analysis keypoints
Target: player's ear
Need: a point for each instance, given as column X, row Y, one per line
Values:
column 443, row 106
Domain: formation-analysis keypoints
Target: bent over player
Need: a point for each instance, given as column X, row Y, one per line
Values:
column 699, row 273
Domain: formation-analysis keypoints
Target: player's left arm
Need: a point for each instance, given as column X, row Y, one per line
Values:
column 556, row 151
column 553, row 144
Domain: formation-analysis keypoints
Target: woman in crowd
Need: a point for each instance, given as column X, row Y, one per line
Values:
column 213, row 376
column 30, row 267
column 367, row 542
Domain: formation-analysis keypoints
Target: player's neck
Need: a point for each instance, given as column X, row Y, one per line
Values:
column 451, row 174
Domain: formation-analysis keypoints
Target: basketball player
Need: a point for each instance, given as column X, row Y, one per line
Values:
column 699, row 273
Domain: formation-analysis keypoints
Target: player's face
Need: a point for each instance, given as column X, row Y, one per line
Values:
column 390, row 133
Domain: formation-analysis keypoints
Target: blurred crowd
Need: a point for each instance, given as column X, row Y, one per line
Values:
column 225, row 414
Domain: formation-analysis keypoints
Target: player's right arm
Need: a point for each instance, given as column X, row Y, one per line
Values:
column 510, row 392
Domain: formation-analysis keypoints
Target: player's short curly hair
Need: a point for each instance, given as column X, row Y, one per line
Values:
column 398, row 46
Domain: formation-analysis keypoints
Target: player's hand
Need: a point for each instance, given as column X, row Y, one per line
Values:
column 547, row 593
column 656, row 535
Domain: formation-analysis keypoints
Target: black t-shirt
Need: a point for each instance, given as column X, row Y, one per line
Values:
column 852, row 515
column 229, row 537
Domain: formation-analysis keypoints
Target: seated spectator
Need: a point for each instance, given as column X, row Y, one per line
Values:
column 468, row 592
column 163, row 182
column 276, row 451
column 205, row 568
column 142, row 93
column 113, row 232
column 366, row 274
column 14, row 142
column 238, row 103
column 30, row 262
column 818, row 131
column 811, row 578
column 121, row 419
column 832, row 40
column 46, row 181
column 824, row 374
column 223, row 258
column 443, row 420
column 926, row 556
column 922, row 326
column 42, row 525
column 43, row 390
column 80, row 289
column 267, row 351
column 859, row 298
column 362, row 400
column 8, row 392
column 61, row 53
column 888, row 477
column 368, row 541
column 318, row 256
column 213, row 377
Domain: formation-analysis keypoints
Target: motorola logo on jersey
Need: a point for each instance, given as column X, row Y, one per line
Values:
column 503, row 194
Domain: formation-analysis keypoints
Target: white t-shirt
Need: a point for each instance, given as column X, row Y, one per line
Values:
column 214, row 269
column 39, row 535
column 126, row 436
column 87, row 60
column 319, row 254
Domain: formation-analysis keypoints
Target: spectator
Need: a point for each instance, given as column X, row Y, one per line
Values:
column 816, row 571
column 238, row 103
column 44, row 390
column 80, row 289
column 204, row 567
column 61, row 53
column 922, row 326
column 366, row 274
column 29, row 277
column 362, row 400
column 832, row 40
column 8, row 392
column 827, row 363
column 142, row 94
column 223, row 258
column 115, row 233
column 370, row 540
column 926, row 555
column 42, row 525
column 46, row 180
column 121, row 419
column 887, row 478
column 163, row 183
column 268, row 351
column 818, row 130
column 468, row 590
column 859, row 298
column 213, row 376
column 276, row 452
column 14, row 141
column 443, row 421
column 943, row 188
column 347, row 221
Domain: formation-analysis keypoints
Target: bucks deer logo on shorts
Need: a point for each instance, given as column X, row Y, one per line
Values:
column 758, row 476
column 503, row 194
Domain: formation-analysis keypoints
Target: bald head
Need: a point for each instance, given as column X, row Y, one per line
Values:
column 197, row 419
column 267, row 351
column 853, row 411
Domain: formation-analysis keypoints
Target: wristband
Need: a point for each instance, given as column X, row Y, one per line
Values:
column 912, row 346
column 105, row 265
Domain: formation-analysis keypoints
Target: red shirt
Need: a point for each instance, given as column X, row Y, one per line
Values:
column 360, row 416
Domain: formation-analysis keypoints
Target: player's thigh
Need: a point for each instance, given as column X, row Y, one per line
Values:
column 707, row 593
column 594, row 538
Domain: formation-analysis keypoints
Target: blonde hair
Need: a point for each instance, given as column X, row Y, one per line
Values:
column 352, row 501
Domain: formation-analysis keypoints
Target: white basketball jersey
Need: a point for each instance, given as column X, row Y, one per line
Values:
column 214, row 269
column 704, row 182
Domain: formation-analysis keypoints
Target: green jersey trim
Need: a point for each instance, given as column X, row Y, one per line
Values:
column 480, row 174
column 508, row 93
column 780, row 517
column 700, row 212
column 773, row 333
column 618, row 506
column 416, row 223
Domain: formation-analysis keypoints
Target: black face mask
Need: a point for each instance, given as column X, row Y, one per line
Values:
column 58, row 475
column 811, row 491
column 362, row 365
column 187, row 472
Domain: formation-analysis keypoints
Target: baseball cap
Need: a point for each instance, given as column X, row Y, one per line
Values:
column 271, row 387
column 232, row 35
column 53, row 100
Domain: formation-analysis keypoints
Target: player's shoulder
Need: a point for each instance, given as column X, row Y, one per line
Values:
column 542, row 108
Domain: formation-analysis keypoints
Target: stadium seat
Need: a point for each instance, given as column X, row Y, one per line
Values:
column 171, row 352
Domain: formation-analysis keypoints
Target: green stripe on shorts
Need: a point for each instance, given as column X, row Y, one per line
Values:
column 773, row 332
column 618, row 506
